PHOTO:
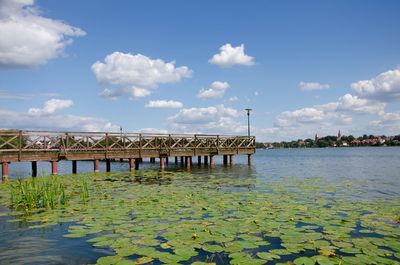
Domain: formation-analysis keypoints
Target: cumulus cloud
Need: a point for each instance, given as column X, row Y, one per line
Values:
column 29, row 39
column 131, row 92
column 47, row 118
column 229, row 56
column 135, row 74
column 216, row 90
column 312, row 86
column 389, row 123
column 213, row 119
column 355, row 104
column 51, row 106
column 384, row 87
column 171, row 104
column 333, row 113
column 343, row 113
column 233, row 99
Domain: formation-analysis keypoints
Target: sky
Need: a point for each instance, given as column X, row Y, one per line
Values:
column 303, row 67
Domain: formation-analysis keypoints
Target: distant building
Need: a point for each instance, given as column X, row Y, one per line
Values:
column 339, row 136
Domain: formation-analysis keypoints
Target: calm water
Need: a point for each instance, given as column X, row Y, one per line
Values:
column 376, row 170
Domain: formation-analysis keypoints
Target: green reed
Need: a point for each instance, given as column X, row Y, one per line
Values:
column 84, row 190
column 39, row 192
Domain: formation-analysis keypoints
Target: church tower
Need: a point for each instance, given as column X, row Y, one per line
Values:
column 339, row 135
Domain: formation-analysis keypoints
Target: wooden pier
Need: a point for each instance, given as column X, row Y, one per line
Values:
column 33, row 146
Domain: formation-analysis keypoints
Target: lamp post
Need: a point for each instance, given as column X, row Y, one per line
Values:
column 248, row 121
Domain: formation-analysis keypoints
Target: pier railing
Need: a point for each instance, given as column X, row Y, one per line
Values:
column 18, row 141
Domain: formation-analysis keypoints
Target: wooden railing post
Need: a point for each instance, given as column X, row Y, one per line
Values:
column 195, row 145
column 140, row 145
column 20, row 146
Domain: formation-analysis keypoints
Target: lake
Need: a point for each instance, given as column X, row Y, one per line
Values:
column 309, row 206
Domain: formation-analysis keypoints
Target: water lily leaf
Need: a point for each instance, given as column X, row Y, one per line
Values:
column 109, row 260
column 165, row 246
column 246, row 260
column 143, row 260
column 185, row 253
column 267, row 255
column 327, row 252
column 304, row 261
column 323, row 260
column 213, row 248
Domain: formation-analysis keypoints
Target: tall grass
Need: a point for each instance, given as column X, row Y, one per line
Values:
column 39, row 192
column 84, row 190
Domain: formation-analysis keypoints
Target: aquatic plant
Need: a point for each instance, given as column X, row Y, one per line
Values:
column 190, row 219
column 42, row 192
column 84, row 190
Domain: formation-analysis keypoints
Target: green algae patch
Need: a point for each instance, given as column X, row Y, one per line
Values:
column 179, row 218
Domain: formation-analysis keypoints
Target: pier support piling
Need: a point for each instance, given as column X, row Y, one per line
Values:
column 249, row 159
column 205, row 160
column 230, row 159
column 131, row 164
column 96, row 165
column 137, row 162
column 225, row 158
column 162, row 163
column 74, row 166
column 108, row 165
column 176, row 160
column 212, row 161
column 167, row 160
column 199, row 160
column 188, row 158
column 54, row 165
column 4, row 171
column 34, row 168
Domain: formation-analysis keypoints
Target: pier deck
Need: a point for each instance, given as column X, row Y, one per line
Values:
column 18, row 145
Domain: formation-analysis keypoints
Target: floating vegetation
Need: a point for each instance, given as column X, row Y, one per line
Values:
column 192, row 219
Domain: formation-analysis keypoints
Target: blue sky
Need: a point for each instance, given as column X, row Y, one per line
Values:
column 304, row 67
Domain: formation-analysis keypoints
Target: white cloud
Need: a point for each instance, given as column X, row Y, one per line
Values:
column 153, row 131
column 384, row 87
column 360, row 105
column 325, row 119
column 388, row 123
column 47, row 118
column 171, row 104
column 233, row 99
column 135, row 74
column 216, row 90
column 7, row 95
column 29, row 39
column 215, row 119
column 51, row 106
column 132, row 93
column 312, row 86
column 230, row 56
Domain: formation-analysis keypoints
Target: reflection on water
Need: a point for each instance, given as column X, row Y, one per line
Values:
column 21, row 245
column 370, row 172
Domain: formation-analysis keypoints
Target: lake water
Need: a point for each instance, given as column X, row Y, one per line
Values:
column 369, row 174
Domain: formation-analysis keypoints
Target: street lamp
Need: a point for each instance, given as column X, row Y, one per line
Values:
column 248, row 121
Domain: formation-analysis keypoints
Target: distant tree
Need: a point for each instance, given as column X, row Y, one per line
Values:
column 260, row 145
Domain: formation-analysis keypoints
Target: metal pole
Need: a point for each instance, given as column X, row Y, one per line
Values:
column 248, row 121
